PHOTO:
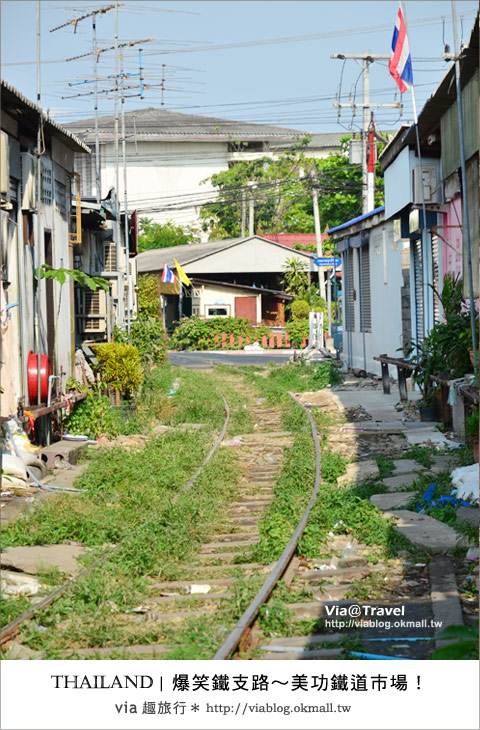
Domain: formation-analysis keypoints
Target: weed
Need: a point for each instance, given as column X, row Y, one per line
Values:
column 274, row 617
column 333, row 466
column 385, row 466
column 465, row 645
column 422, row 454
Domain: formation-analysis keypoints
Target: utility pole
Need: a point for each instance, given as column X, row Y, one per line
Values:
column 95, row 53
column 367, row 59
column 318, row 234
column 38, row 205
column 371, row 166
column 243, row 222
column 251, row 210
column 120, row 274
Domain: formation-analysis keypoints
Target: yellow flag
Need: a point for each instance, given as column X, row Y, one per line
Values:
column 181, row 274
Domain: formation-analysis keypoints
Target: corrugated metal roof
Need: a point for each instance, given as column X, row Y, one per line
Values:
column 154, row 259
column 357, row 220
column 12, row 96
column 160, row 124
column 320, row 141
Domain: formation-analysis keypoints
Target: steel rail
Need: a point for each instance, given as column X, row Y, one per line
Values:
column 8, row 632
column 233, row 640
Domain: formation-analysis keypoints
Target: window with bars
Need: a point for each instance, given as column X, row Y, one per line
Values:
column 365, row 298
column 61, row 198
column 46, row 185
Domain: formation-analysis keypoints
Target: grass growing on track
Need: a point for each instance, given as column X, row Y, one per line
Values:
column 126, row 490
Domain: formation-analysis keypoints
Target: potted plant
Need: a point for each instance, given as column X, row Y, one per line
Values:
column 427, row 406
column 471, row 432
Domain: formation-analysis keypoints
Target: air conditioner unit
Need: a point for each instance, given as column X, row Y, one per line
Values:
column 428, row 179
column 93, row 306
column 109, row 256
column 28, row 165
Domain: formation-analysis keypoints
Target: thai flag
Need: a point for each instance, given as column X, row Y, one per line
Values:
column 168, row 277
column 400, row 64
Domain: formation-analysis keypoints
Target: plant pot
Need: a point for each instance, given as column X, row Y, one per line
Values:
column 427, row 413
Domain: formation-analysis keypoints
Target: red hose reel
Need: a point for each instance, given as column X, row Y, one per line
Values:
column 32, row 377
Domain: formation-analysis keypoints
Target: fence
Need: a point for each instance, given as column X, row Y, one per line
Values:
column 277, row 341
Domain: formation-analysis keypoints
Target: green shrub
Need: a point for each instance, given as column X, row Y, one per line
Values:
column 297, row 329
column 93, row 417
column 120, row 366
column 148, row 335
column 300, row 309
column 471, row 425
column 200, row 333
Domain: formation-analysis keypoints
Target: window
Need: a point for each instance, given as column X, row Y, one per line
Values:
column 61, row 198
column 46, row 188
column 218, row 311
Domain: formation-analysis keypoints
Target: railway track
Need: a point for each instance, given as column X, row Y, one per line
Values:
column 208, row 584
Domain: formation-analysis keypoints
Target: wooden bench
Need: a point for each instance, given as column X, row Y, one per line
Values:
column 402, row 366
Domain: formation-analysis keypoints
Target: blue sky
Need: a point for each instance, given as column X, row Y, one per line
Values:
column 291, row 83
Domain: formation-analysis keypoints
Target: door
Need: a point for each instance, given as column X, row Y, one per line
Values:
column 246, row 307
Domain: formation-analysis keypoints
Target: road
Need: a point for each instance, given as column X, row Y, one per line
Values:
column 208, row 359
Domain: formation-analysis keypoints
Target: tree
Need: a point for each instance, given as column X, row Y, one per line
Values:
column 163, row 235
column 282, row 192
column 296, row 277
column 148, row 296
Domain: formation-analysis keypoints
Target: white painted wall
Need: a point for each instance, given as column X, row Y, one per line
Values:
column 386, row 308
column 212, row 296
column 161, row 174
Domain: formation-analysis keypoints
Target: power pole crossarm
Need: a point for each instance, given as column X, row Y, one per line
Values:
column 365, row 105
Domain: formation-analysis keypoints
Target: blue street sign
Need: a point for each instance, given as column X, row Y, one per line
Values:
column 328, row 261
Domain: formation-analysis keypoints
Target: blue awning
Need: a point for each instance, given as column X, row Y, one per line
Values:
column 357, row 220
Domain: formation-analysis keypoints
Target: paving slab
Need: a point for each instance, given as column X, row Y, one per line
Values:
column 358, row 471
column 396, row 483
column 417, row 434
column 446, row 605
column 441, row 463
column 19, row 651
column 391, row 501
column 407, row 466
column 32, row 557
column 424, row 531
column 468, row 514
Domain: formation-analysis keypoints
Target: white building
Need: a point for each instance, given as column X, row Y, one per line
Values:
column 375, row 289
column 170, row 155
